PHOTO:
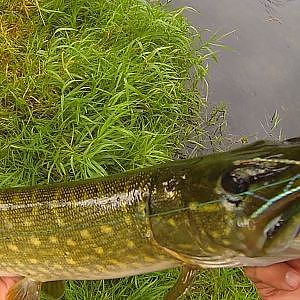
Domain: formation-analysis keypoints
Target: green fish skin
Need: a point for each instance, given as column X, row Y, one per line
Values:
column 227, row 209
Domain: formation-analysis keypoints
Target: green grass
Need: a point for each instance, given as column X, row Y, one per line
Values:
column 209, row 285
column 93, row 87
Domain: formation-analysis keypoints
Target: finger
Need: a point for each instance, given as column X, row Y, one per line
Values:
column 291, row 295
column 5, row 284
column 294, row 264
column 9, row 281
column 279, row 276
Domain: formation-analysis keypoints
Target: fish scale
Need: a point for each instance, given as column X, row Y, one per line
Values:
column 224, row 209
column 80, row 227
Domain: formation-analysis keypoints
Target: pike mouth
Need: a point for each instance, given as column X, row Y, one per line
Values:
column 297, row 231
column 280, row 218
column 281, row 231
column 278, row 224
column 274, row 227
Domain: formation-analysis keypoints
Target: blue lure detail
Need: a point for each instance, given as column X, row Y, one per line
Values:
column 288, row 190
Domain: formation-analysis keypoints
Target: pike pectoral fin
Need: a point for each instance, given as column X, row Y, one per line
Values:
column 25, row 289
column 188, row 274
column 53, row 289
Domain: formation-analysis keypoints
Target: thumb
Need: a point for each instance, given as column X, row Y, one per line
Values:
column 279, row 276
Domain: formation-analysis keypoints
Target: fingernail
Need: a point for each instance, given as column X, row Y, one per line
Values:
column 292, row 279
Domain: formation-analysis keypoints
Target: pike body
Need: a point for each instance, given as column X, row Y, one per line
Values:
column 228, row 209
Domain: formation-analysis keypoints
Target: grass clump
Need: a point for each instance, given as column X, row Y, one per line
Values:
column 229, row 284
column 90, row 88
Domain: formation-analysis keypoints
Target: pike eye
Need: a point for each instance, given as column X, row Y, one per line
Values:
column 234, row 184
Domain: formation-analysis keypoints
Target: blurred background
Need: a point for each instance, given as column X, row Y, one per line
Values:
column 259, row 76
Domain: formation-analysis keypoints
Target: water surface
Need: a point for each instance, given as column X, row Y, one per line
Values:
column 261, row 77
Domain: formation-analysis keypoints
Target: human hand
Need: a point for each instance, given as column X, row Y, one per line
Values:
column 277, row 282
column 5, row 284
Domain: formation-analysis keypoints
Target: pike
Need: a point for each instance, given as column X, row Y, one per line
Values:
column 237, row 208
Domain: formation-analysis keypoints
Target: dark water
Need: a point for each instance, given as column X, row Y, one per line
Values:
column 260, row 78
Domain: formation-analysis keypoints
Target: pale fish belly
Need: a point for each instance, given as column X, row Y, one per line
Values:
column 40, row 273
column 233, row 259
column 88, row 263
column 290, row 253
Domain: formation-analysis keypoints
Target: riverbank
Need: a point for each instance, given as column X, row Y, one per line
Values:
column 91, row 88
